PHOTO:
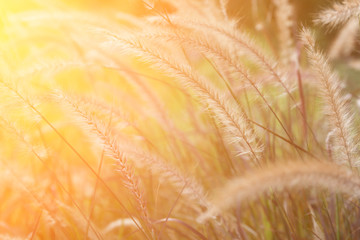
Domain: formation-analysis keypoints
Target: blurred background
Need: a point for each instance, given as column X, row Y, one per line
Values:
column 254, row 16
column 244, row 9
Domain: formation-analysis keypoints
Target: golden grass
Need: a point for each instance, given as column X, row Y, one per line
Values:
column 179, row 121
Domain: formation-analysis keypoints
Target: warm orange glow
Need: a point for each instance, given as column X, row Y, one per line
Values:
column 178, row 119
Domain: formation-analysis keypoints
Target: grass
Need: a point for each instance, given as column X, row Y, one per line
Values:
column 181, row 120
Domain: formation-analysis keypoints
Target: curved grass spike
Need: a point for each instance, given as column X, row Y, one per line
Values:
column 339, row 13
column 242, row 41
column 336, row 108
column 130, row 180
column 28, row 103
column 165, row 16
column 233, row 121
column 284, row 177
column 140, row 157
column 221, row 53
column 186, row 185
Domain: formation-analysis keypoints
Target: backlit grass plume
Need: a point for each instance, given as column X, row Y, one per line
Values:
column 340, row 118
column 339, row 13
column 285, row 177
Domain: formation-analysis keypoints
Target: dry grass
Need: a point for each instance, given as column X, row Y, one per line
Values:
column 179, row 122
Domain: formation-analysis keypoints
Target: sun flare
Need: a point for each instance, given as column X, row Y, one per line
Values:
column 165, row 119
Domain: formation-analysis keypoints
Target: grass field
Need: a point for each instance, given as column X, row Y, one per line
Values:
column 179, row 119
